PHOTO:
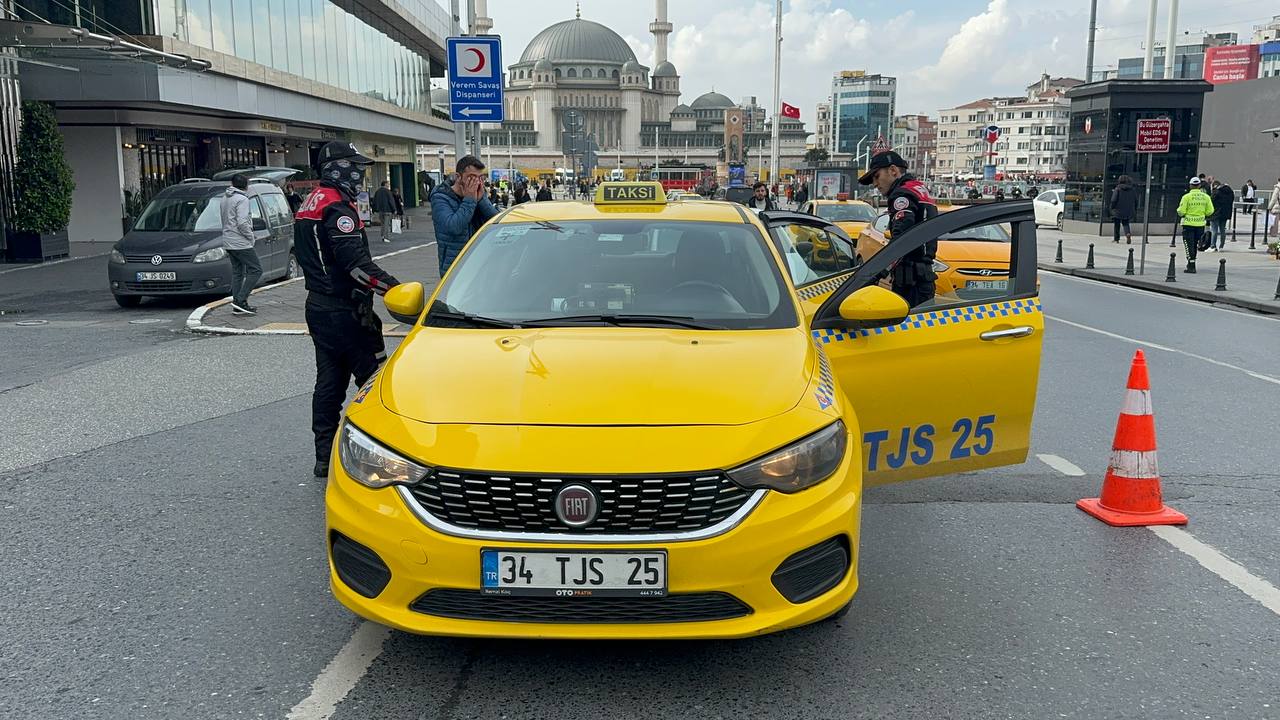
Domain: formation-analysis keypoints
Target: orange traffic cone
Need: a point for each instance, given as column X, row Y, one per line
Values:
column 1131, row 489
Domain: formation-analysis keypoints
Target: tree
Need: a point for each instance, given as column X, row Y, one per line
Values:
column 42, row 178
column 816, row 155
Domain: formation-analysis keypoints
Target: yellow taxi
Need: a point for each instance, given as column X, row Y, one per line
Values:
column 852, row 216
column 638, row 419
column 970, row 262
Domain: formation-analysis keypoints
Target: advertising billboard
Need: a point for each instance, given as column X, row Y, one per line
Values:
column 1231, row 63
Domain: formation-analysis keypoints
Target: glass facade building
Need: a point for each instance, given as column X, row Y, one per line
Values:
column 861, row 106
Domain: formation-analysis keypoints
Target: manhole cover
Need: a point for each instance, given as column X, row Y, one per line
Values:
column 147, row 321
column 31, row 323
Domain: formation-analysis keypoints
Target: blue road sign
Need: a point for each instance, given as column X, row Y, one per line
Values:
column 475, row 79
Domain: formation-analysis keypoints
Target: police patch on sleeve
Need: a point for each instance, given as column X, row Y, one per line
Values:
column 901, row 203
column 346, row 224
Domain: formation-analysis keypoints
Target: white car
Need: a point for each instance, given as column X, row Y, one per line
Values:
column 1049, row 206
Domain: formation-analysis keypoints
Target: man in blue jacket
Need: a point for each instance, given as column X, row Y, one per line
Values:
column 458, row 210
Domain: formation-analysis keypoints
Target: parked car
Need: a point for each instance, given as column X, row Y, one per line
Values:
column 1049, row 205
column 174, row 247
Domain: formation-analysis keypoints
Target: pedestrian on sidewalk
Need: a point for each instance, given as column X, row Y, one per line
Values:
column 237, row 238
column 395, row 195
column 544, row 193
column 1124, row 203
column 760, row 198
column 1274, row 209
column 522, row 194
column 1224, row 199
column 1249, row 196
column 341, row 280
column 1194, row 208
column 458, row 210
column 385, row 205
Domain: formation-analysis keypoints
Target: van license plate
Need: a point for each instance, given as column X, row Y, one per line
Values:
column 162, row 276
column 548, row 573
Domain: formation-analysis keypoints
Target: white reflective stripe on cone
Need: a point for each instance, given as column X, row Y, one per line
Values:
column 1134, row 464
column 1137, row 402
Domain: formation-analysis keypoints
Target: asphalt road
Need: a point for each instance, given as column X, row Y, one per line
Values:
column 164, row 552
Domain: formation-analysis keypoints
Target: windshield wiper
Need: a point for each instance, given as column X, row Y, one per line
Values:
column 468, row 319
column 622, row 320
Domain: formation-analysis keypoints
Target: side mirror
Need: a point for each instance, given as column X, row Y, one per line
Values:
column 873, row 306
column 405, row 302
column 1053, row 201
column 259, row 224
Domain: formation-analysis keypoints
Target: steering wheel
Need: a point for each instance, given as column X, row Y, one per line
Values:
column 702, row 295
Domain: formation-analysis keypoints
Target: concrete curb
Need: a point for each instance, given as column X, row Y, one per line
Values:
column 195, row 321
column 37, row 266
column 1163, row 288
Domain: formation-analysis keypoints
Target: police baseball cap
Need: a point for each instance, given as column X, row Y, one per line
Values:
column 1195, row 182
column 880, row 162
column 335, row 150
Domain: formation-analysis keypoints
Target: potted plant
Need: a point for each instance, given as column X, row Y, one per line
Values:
column 42, row 186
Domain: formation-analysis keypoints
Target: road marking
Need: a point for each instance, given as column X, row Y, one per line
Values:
column 1235, row 311
column 342, row 673
column 1062, row 465
column 1222, row 566
column 1166, row 348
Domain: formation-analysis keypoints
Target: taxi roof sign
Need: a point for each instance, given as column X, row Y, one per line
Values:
column 630, row 193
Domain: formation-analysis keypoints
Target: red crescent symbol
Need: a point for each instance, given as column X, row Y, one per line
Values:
column 479, row 60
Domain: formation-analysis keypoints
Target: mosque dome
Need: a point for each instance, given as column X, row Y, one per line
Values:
column 712, row 101
column 665, row 69
column 578, row 40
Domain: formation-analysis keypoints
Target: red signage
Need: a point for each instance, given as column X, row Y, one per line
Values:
column 1153, row 135
column 1231, row 63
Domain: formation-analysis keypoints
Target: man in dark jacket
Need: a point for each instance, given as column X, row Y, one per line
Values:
column 909, row 204
column 760, row 199
column 1124, row 203
column 384, row 204
column 1224, row 199
column 458, row 210
column 544, row 193
column 341, row 279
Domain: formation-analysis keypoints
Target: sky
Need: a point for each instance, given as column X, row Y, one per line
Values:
column 943, row 52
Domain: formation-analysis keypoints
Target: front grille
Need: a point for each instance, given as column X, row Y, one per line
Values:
column 159, row 286
column 983, row 272
column 471, row 605
column 812, row 571
column 166, row 258
column 628, row 504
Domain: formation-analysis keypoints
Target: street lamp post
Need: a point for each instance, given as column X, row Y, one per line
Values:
column 777, row 87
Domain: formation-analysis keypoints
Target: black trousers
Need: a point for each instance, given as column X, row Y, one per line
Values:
column 346, row 350
column 1115, row 228
column 1191, row 240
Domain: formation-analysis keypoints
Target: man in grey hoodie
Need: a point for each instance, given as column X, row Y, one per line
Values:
column 237, row 237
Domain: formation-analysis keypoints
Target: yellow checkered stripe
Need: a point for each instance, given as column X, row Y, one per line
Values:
column 951, row 316
column 809, row 292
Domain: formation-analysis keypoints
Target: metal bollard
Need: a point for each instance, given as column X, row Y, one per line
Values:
column 1253, row 231
column 1173, row 240
column 1128, row 266
column 1058, row 258
column 1088, row 264
column 1173, row 268
column 1222, row 276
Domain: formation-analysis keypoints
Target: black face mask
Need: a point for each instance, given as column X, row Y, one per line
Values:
column 345, row 174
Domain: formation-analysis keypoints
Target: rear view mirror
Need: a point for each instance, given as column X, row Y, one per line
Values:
column 874, row 306
column 405, row 302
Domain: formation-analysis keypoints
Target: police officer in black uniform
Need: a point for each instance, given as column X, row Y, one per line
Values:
column 341, row 280
column 909, row 203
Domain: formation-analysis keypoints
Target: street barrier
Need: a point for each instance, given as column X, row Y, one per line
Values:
column 1253, row 230
column 1128, row 266
column 1131, row 489
column 1058, row 258
column 1173, row 268
column 1222, row 276
column 1088, row 263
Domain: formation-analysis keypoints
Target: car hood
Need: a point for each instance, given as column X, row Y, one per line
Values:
column 138, row 243
column 954, row 251
column 851, row 228
column 596, row 376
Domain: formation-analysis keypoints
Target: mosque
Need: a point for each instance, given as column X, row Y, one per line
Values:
column 632, row 111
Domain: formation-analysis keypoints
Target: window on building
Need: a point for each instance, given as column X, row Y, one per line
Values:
column 573, row 72
column 615, row 74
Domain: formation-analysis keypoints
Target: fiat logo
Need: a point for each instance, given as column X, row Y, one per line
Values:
column 577, row 505
column 156, row 259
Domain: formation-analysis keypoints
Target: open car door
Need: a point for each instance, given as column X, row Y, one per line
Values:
column 950, row 385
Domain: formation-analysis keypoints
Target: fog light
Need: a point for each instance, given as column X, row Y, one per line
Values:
column 210, row 283
column 115, row 284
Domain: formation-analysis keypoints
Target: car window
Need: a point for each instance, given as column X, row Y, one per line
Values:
column 715, row 273
column 965, row 276
column 812, row 253
column 255, row 208
column 846, row 212
column 181, row 214
column 277, row 210
column 987, row 233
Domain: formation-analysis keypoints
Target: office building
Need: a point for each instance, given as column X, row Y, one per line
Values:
column 1188, row 60
column 862, row 108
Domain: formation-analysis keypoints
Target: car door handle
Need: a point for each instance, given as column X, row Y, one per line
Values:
column 1015, row 332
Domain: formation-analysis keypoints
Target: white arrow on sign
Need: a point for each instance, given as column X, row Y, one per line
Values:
column 469, row 111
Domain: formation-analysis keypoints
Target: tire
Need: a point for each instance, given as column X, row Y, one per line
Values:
column 840, row 614
column 293, row 270
column 128, row 301
column 1058, row 226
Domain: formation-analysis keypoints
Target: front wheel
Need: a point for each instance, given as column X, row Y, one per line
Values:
column 294, row 270
column 128, row 301
column 1058, row 225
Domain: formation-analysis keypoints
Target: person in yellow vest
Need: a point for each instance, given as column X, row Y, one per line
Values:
column 1194, row 209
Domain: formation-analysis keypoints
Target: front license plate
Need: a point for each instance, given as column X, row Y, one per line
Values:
column 145, row 276
column 551, row 573
column 988, row 285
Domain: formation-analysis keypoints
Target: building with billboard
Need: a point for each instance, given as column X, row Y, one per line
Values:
column 862, row 108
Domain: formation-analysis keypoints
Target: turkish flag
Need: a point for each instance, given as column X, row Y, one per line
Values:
column 790, row 111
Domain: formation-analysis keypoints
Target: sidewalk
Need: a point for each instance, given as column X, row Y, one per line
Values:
column 1252, row 275
column 281, row 307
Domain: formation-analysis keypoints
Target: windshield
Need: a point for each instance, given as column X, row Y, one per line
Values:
column 707, row 274
column 842, row 212
column 181, row 214
column 988, row 233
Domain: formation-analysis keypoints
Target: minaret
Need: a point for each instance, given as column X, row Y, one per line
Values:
column 484, row 23
column 660, row 29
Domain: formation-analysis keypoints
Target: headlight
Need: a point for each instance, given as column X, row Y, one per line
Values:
column 806, row 462
column 210, row 255
column 116, row 256
column 940, row 267
column 371, row 464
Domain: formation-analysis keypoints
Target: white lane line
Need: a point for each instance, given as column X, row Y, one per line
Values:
column 1062, row 465
column 1222, row 566
column 1166, row 348
column 342, row 673
column 1235, row 311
